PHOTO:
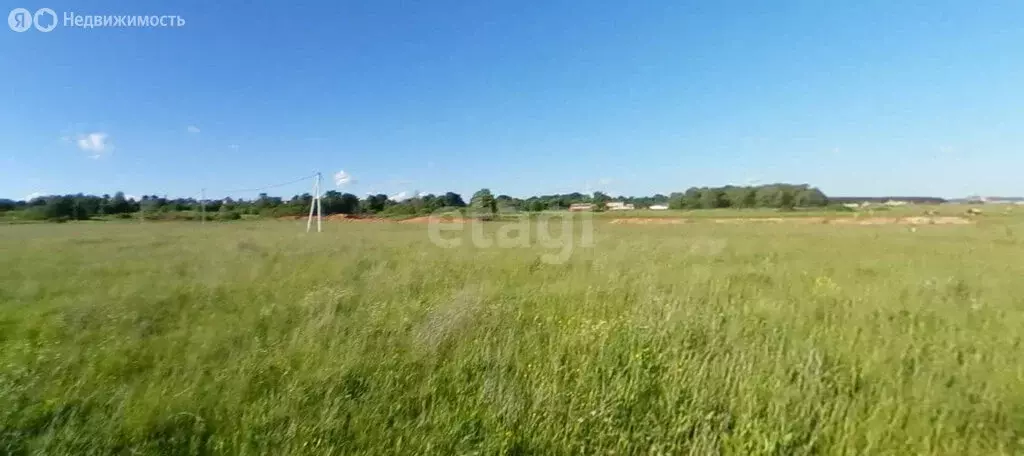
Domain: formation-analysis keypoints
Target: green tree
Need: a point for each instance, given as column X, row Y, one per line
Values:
column 676, row 200
column 786, row 199
column 483, row 202
column 335, row 202
column 600, row 200
column 375, row 203
column 225, row 213
column 713, row 198
column 59, row 208
column 119, row 205
column 453, row 200
column 692, row 198
column 811, row 197
column 767, row 196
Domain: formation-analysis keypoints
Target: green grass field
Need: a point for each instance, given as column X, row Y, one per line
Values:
column 257, row 338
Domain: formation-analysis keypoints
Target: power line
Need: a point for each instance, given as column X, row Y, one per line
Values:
column 246, row 190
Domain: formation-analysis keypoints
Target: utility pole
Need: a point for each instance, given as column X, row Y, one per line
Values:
column 314, row 205
column 319, row 206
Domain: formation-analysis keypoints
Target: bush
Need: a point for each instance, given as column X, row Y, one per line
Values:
column 228, row 215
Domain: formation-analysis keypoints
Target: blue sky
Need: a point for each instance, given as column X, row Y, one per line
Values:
column 640, row 97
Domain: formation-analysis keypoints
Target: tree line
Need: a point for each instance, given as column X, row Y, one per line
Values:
column 82, row 207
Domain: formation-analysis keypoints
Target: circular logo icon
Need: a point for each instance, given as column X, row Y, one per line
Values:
column 41, row 14
column 20, row 19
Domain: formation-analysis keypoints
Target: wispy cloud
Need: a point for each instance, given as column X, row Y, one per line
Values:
column 34, row 195
column 341, row 178
column 97, row 144
column 192, row 129
column 400, row 196
column 233, row 147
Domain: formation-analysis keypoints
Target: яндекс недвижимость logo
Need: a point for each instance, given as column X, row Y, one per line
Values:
column 21, row 19
column 45, row 20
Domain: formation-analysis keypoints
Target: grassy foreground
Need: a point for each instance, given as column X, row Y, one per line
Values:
column 256, row 338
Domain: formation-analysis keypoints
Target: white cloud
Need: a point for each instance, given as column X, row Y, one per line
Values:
column 34, row 195
column 132, row 197
column 400, row 196
column 422, row 194
column 342, row 178
column 233, row 146
column 192, row 129
column 604, row 181
column 95, row 143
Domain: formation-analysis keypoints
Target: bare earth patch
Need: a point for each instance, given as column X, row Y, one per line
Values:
column 434, row 220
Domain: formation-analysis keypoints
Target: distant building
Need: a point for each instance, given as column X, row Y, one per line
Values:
column 658, row 207
column 618, row 206
column 581, row 207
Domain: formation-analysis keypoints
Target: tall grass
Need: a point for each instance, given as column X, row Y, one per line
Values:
column 256, row 338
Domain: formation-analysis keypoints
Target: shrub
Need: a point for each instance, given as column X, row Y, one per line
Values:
column 228, row 215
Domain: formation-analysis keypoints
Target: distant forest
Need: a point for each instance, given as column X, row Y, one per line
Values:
column 83, row 207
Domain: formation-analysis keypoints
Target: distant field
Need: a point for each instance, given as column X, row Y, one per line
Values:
column 257, row 338
column 898, row 211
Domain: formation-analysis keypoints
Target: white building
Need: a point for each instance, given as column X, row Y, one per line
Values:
column 658, row 207
column 618, row 206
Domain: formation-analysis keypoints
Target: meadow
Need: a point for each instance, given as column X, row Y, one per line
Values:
column 258, row 338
